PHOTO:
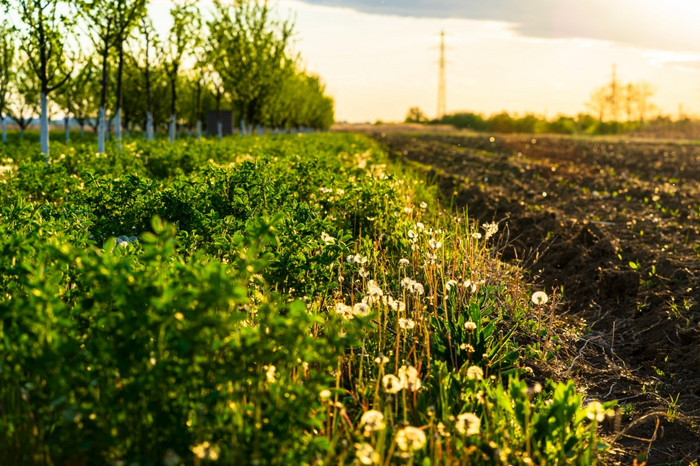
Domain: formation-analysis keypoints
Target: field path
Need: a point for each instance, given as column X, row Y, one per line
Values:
column 615, row 224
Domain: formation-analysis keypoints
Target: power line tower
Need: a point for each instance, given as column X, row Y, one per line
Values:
column 442, row 99
column 614, row 91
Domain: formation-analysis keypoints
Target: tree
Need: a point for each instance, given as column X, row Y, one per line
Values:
column 644, row 92
column 415, row 115
column 598, row 102
column 109, row 21
column 127, row 16
column 142, row 61
column 79, row 95
column 43, row 40
column 249, row 55
column 184, row 36
column 300, row 101
column 24, row 101
column 7, row 56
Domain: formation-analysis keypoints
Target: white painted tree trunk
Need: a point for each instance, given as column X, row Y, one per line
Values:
column 149, row 126
column 118, row 127
column 3, row 121
column 66, row 126
column 220, row 130
column 101, row 131
column 199, row 130
column 44, row 127
column 242, row 127
column 172, row 127
column 82, row 131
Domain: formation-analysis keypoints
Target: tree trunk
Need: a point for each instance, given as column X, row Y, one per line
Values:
column 220, row 130
column 199, row 130
column 66, row 126
column 82, row 130
column 242, row 126
column 172, row 127
column 101, row 131
column 3, row 122
column 149, row 126
column 120, row 68
column 118, row 128
column 44, row 126
column 103, row 99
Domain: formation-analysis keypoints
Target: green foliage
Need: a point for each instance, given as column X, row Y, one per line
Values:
column 252, row 300
column 506, row 123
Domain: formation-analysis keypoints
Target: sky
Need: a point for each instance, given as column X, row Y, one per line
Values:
column 378, row 58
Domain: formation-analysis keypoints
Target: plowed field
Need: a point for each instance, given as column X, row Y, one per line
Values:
column 613, row 228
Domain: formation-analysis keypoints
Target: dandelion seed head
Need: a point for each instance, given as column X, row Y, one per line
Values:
column 408, row 375
column 381, row 359
column 475, row 373
column 596, row 410
column 539, row 298
column 360, row 309
column 365, row 453
column 410, row 439
column 372, row 421
column 392, row 384
column 406, row 324
column 490, row 229
column 434, row 244
column 468, row 424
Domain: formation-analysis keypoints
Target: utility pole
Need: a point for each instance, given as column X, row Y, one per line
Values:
column 442, row 100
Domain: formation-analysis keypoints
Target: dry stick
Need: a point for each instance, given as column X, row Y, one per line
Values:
column 638, row 421
column 580, row 353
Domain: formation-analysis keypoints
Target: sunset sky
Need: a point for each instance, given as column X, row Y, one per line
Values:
column 378, row 58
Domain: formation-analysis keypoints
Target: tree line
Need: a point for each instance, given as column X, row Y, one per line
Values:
column 104, row 64
column 613, row 108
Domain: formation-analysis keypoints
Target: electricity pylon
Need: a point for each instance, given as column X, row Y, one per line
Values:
column 442, row 99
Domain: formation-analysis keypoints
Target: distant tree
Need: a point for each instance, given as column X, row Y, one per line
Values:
column 46, row 27
column 7, row 66
column 24, row 100
column 83, row 92
column 184, row 37
column 249, row 51
column 644, row 92
column 108, row 21
column 599, row 102
column 461, row 120
column 147, row 46
column 501, row 123
column 415, row 115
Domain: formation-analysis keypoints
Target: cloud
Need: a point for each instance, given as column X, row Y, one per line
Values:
column 668, row 25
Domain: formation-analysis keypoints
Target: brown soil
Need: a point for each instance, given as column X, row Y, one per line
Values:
column 613, row 227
